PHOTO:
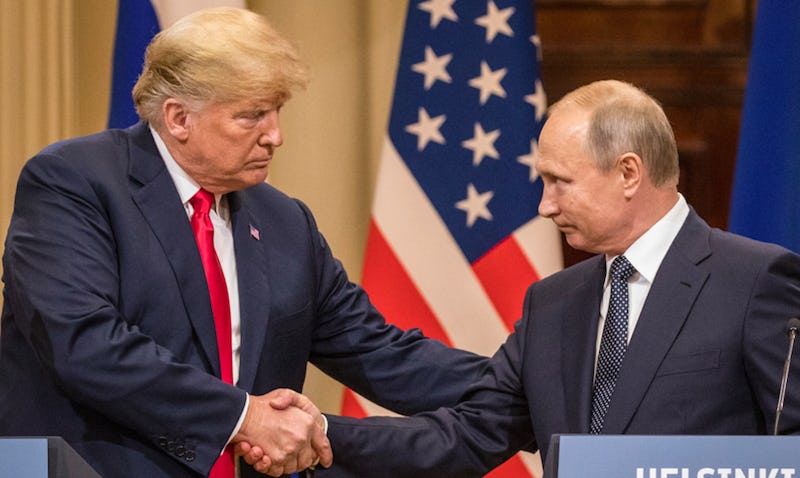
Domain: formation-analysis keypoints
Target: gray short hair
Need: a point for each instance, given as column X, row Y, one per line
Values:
column 626, row 119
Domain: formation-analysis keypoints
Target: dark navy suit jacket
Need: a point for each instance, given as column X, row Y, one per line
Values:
column 705, row 358
column 107, row 331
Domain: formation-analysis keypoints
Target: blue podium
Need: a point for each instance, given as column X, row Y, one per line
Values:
column 41, row 457
column 652, row 456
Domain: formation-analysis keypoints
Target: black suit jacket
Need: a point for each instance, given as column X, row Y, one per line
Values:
column 705, row 358
column 107, row 330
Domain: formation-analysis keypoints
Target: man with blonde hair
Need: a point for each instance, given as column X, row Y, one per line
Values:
column 673, row 328
column 159, row 296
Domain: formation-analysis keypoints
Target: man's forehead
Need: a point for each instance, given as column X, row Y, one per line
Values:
column 569, row 120
column 566, row 127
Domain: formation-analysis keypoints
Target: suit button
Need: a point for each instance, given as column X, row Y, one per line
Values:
column 170, row 446
column 162, row 442
column 180, row 450
column 189, row 455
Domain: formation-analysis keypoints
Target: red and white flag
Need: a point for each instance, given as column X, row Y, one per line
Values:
column 455, row 237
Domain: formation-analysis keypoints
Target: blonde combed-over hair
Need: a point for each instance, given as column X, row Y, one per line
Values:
column 217, row 55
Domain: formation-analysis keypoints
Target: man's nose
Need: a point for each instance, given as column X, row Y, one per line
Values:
column 271, row 130
column 547, row 206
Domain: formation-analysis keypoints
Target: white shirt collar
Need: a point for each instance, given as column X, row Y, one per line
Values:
column 186, row 186
column 649, row 250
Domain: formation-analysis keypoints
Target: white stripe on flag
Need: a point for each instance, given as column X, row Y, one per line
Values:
column 540, row 240
column 532, row 461
column 432, row 259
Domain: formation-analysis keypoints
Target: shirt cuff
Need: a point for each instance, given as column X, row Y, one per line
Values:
column 241, row 421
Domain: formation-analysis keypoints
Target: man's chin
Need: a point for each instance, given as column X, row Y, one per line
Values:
column 252, row 178
column 258, row 176
column 576, row 241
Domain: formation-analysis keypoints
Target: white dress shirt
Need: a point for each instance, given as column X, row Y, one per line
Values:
column 645, row 255
column 223, row 245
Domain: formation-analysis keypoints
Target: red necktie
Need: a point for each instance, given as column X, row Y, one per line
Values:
column 204, row 234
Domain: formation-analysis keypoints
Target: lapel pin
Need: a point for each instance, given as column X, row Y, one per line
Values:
column 254, row 233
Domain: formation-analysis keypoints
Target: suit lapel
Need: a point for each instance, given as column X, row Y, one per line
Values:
column 578, row 347
column 254, row 298
column 668, row 304
column 155, row 195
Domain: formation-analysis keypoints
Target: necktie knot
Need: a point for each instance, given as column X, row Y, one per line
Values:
column 201, row 201
column 621, row 268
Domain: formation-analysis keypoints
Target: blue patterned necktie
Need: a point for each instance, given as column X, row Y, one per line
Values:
column 613, row 343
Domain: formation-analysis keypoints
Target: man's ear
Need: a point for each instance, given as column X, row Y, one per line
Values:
column 176, row 119
column 632, row 170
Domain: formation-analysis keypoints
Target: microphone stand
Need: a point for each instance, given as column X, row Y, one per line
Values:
column 792, row 328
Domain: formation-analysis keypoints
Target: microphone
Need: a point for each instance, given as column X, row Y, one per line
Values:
column 792, row 329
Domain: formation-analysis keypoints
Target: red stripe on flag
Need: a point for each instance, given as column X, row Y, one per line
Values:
column 512, row 467
column 505, row 274
column 350, row 405
column 393, row 292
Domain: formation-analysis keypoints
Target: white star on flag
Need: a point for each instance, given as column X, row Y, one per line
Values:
column 530, row 160
column 434, row 67
column 496, row 21
column 538, row 44
column 482, row 144
column 489, row 82
column 475, row 205
column 538, row 99
column 439, row 9
column 427, row 129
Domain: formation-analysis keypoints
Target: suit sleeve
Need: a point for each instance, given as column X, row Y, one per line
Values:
column 400, row 370
column 62, row 283
column 774, row 299
column 487, row 428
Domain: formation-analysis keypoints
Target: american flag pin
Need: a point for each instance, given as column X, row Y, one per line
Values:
column 254, row 233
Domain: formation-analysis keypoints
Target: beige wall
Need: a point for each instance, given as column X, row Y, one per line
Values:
column 54, row 83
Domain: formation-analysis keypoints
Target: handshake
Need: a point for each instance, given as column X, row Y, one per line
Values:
column 282, row 432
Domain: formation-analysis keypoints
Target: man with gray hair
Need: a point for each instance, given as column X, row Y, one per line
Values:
column 673, row 328
column 160, row 296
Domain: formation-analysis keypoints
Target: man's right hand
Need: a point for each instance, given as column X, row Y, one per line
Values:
column 283, row 432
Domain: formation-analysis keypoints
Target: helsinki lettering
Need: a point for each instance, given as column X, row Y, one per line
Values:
column 715, row 473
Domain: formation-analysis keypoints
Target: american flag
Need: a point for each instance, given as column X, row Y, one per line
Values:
column 455, row 238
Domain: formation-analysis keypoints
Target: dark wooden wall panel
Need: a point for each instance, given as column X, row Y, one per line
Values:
column 689, row 54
